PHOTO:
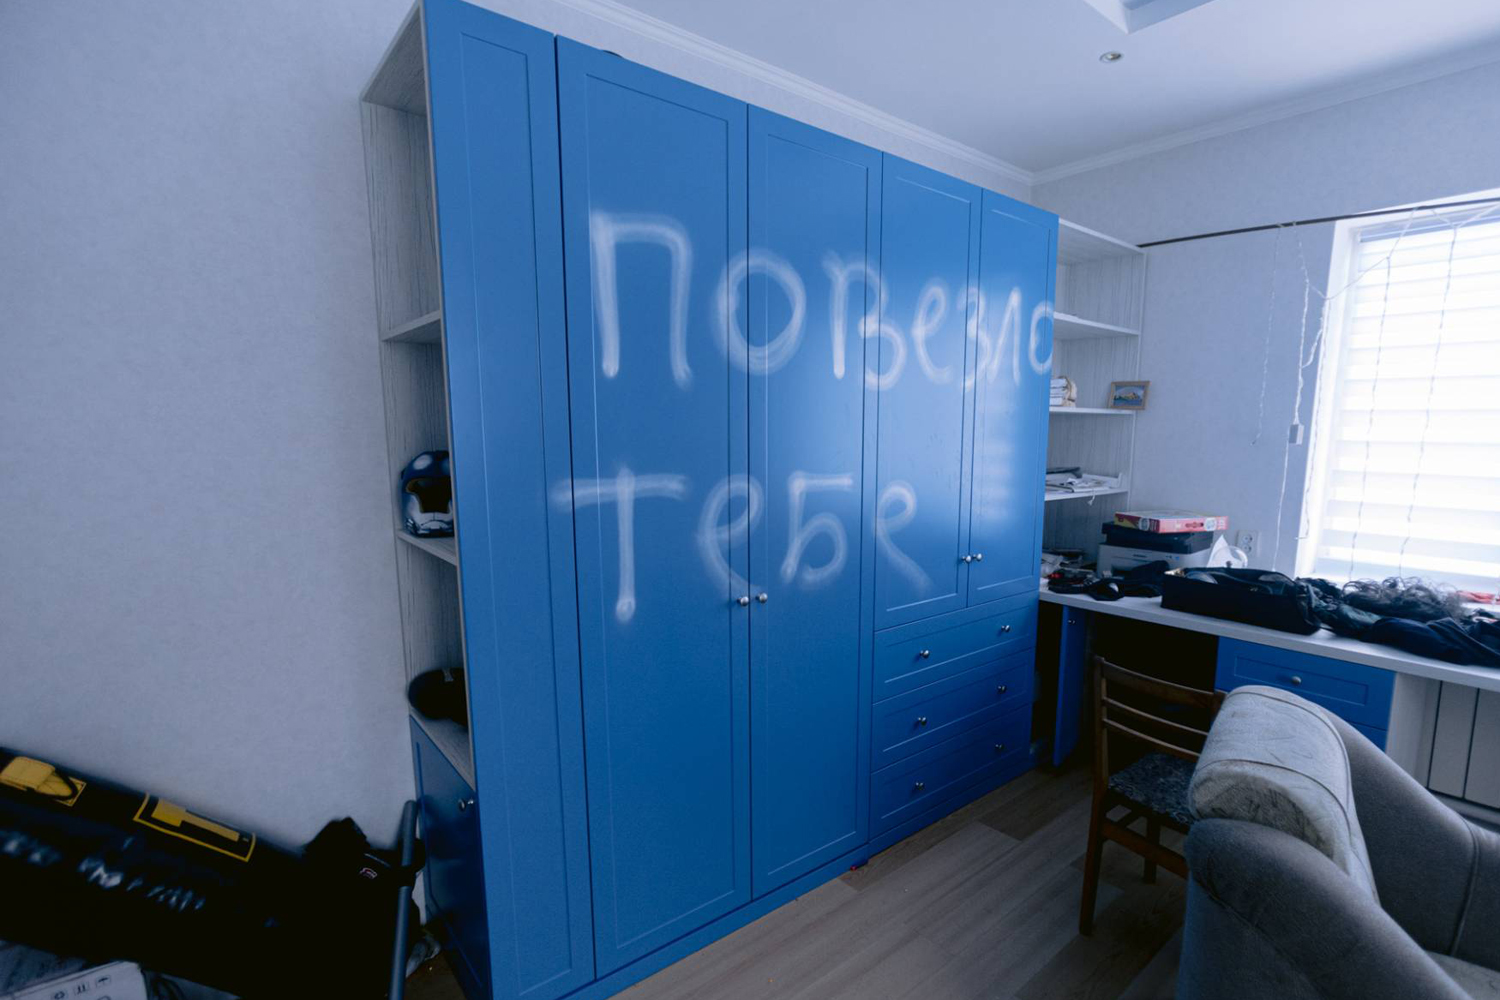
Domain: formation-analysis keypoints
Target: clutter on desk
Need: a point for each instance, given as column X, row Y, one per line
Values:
column 426, row 495
column 1171, row 521
column 1061, row 560
column 1138, row 581
column 1064, row 392
column 1410, row 614
column 1253, row 596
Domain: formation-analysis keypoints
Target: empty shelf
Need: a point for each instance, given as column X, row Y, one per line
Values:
column 426, row 329
column 445, row 549
column 1069, row 327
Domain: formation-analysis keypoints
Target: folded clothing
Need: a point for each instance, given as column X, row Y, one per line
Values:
column 1475, row 641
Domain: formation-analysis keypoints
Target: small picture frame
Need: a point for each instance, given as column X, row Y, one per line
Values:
column 1128, row 395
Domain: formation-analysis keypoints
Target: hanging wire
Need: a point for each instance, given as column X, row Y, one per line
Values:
column 1265, row 360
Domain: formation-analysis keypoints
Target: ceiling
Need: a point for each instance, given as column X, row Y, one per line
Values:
column 1021, row 80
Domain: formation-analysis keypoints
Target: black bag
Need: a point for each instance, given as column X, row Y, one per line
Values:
column 1253, row 596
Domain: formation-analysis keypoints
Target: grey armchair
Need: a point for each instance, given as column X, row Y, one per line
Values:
column 1293, row 893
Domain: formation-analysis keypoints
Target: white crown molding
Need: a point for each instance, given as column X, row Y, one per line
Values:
column 1419, row 73
column 664, row 33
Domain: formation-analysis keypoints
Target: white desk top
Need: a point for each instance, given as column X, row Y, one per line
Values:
column 1324, row 643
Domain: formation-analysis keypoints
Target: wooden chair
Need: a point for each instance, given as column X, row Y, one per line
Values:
column 1153, row 787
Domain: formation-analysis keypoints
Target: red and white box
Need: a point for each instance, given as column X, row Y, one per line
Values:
column 1171, row 522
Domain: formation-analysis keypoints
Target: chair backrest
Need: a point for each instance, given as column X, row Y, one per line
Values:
column 1145, row 720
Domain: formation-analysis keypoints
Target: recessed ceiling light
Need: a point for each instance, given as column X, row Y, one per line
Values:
column 1111, row 57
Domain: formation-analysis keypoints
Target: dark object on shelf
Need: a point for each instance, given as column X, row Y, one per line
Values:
column 426, row 495
column 439, row 694
column 1138, row 581
column 1475, row 641
column 95, row 869
column 1181, row 543
column 1253, row 596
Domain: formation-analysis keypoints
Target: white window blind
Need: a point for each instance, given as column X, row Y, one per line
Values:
column 1406, row 477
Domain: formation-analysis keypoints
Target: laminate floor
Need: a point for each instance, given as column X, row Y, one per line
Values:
column 982, row 905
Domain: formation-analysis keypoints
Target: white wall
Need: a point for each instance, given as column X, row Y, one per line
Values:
column 1209, row 304
column 197, row 592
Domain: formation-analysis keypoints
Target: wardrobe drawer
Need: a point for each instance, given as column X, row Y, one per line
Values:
column 906, row 789
column 1352, row 691
column 910, row 656
column 914, row 721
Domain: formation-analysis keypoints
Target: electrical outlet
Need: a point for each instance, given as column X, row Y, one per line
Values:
column 1247, row 541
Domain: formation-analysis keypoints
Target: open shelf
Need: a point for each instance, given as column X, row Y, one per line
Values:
column 1080, row 245
column 1066, row 326
column 452, row 739
column 1103, row 491
column 445, row 548
column 1091, row 411
column 425, row 329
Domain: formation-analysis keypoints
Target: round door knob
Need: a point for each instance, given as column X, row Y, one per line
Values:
column 744, row 601
column 999, row 747
column 919, row 786
column 1000, row 689
column 979, row 557
column 924, row 654
column 921, row 720
column 464, row 805
column 968, row 559
column 762, row 597
column 1004, row 628
column 1296, row 681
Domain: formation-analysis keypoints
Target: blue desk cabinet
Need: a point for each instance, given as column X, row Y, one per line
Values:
column 929, row 259
column 655, row 214
column 814, row 232
column 1359, row 694
column 494, row 136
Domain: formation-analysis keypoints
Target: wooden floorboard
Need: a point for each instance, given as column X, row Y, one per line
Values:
column 982, row 905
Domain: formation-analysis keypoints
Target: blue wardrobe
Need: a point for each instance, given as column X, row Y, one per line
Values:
column 747, row 425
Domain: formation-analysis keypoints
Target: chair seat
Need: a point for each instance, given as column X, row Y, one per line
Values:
column 1479, row 982
column 1159, row 782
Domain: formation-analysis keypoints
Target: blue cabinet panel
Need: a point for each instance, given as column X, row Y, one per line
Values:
column 911, row 656
column 1012, row 366
column 1355, row 692
column 913, row 786
column 813, row 201
column 455, row 882
column 929, row 263
column 655, row 216
column 494, row 130
column 919, row 719
column 1072, row 683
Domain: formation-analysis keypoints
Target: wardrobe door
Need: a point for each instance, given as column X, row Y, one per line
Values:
column 1017, row 261
column 814, row 227
column 494, row 132
column 929, row 256
column 655, row 216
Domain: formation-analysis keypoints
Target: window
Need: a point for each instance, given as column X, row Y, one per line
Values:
column 1405, row 473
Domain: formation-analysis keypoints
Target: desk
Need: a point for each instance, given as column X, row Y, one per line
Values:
column 1414, row 700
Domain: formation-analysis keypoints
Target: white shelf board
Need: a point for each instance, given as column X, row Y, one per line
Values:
column 1078, row 244
column 1103, row 491
column 445, row 549
column 426, row 329
column 452, row 739
column 1091, row 411
column 1069, row 327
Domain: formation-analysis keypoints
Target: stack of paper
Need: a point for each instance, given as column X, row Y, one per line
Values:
column 1064, row 392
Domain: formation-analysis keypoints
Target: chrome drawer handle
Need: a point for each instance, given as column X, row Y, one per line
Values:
column 999, row 747
column 919, row 786
column 1000, row 689
column 762, row 597
column 1296, row 681
column 743, row 600
column 966, row 559
column 464, row 805
column 924, row 654
column 1004, row 628
column 921, row 720
column 979, row 557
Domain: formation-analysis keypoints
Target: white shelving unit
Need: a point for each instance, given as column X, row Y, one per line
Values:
column 1096, row 330
column 398, row 170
